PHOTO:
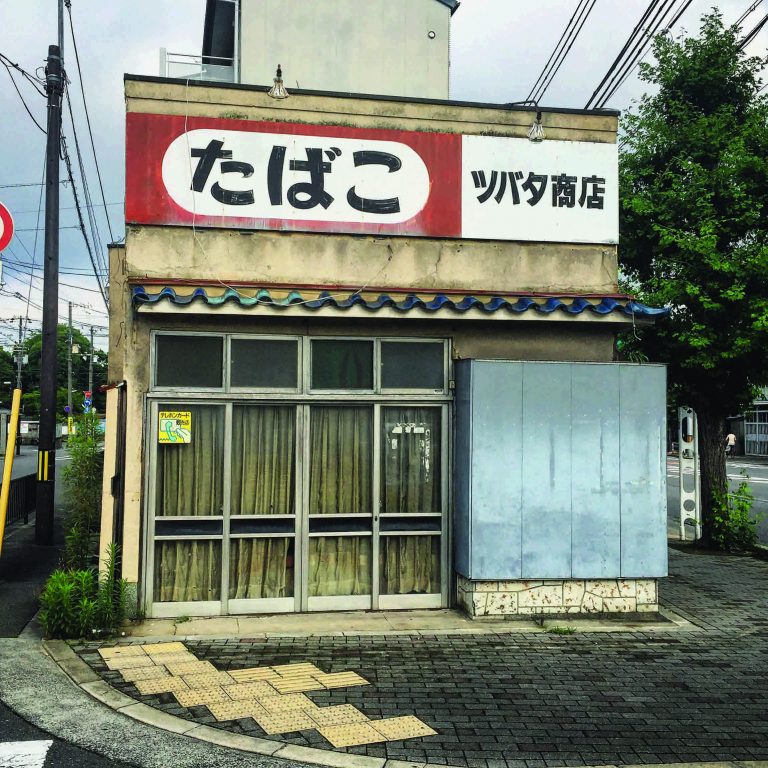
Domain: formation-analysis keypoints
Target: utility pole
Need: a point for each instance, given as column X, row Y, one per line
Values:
column 90, row 367
column 46, row 449
column 19, row 361
column 69, row 364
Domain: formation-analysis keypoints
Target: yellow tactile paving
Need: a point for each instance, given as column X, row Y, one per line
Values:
column 272, row 696
column 191, row 667
column 343, row 714
column 399, row 728
column 254, row 674
column 303, row 669
column 257, row 690
column 143, row 673
column 285, row 722
column 287, row 702
column 156, row 649
column 129, row 662
column 235, row 710
column 341, row 680
column 351, row 735
column 168, row 684
column 122, row 650
column 173, row 658
column 297, row 685
column 207, row 679
column 197, row 696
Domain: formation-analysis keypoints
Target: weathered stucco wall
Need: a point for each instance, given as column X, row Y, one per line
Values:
column 382, row 47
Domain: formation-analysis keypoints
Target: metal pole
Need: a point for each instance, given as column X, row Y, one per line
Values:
column 46, row 457
column 69, row 362
column 90, row 367
column 19, row 362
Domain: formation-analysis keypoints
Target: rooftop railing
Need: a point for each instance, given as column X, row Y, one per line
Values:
column 184, row 66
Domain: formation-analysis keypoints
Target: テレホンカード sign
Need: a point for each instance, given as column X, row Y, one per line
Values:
column 313, row 178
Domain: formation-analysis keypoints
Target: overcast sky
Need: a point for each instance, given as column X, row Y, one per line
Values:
column 498, row 49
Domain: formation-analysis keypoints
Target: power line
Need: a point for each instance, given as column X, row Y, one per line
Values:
column 617, row 61
column 644, row 51
column 36, row 82
column 32, row 184
column 558, row 47
column 748, row 38
column 26, row 107
column 748, row 12
column 67, row 207
column 88, row 119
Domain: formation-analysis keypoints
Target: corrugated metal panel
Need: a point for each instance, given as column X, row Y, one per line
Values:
column 431, row 302
column 643, row 471
column 497, row 469
column 567, row 466
column 546, row 443
column 596, row 504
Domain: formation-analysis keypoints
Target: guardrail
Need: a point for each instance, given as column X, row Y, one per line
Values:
column 22, row 498
column 216, row 69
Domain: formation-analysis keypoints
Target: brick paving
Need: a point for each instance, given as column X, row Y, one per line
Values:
column 538, row 700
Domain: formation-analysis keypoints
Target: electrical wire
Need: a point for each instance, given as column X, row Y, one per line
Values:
column 88, row 120
column 37, row 83
column 566, row 50
column 560, row 44
column 617, row 61
column 749, row 37
column 748, row 12
column 26, row 106
column 646, row 49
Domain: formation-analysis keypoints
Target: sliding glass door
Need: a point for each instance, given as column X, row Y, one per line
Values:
column 263, row 507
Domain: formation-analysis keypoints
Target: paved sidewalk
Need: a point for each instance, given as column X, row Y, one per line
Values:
column 534, row 700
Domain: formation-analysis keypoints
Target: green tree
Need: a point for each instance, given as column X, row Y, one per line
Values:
column 80, row 362
column 694, row 200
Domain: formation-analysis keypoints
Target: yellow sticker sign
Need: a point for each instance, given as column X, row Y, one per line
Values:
column 175, row 427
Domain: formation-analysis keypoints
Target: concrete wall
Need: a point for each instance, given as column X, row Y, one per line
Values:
column 378, row 46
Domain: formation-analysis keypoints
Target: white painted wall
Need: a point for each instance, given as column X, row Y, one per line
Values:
column 358, row 46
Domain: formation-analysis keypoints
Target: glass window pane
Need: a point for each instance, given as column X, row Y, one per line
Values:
column 340, row 565
column 190, row 476
column 187, row 571
column 341, row 461
column 263, row 460
column 189, row 361
column 265, row 363
column 409, row 565
column 411, row 473
column 412, row 365
column 260, row 568
column 342, row 364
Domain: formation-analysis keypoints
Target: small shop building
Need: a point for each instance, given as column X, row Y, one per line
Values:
column 362, row 358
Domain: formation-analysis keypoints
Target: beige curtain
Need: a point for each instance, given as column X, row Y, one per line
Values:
column 341, row 461
column 410, row 565
column 190, row 478
column 187, row 571
column 411, row 485
column 341, row 466
column 340, row 565
column 263, row 453
column 260, row 568
column 411, row 460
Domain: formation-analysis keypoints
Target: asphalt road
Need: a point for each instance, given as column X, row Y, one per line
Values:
column 757, row 474
column 24, row 746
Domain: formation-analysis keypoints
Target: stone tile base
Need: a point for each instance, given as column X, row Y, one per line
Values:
column 561, row 596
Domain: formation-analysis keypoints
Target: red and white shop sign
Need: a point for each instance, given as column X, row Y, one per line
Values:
column 296, row 177
column 6, row 227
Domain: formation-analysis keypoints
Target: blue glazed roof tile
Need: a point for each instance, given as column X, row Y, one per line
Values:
column 437, row 302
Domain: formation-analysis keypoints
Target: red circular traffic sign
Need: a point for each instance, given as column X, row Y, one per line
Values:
column 6, row 227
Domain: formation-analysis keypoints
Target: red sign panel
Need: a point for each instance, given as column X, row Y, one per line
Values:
column 240, row 174
column 6, row 227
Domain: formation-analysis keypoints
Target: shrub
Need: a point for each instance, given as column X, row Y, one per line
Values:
column 75, row 603
column 82, row 482
column 735, row 527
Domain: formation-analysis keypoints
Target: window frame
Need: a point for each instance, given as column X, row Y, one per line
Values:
column 230, row 337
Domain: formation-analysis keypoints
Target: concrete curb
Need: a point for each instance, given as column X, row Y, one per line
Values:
column 86, row 679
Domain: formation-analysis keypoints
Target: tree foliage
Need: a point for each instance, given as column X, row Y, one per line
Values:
column 694, row 201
